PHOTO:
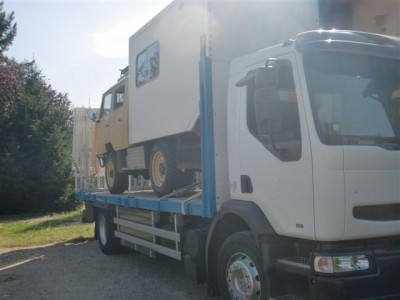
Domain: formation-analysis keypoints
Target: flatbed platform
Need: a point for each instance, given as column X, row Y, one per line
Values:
column 190, row 205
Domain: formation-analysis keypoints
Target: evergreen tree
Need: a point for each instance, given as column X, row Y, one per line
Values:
column 36, row 156
column 10, row 85
column 35, row 136
column 8, row 29
column 10, row 75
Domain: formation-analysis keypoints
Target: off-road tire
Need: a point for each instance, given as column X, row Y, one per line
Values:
column 117, row 182
column 162, row 168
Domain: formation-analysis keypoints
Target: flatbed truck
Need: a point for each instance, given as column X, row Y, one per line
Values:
column 299, row 153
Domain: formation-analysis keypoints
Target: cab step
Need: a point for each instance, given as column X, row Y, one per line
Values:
column 295, row 264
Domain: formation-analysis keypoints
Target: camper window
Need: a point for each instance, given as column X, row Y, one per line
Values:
column 148, row 64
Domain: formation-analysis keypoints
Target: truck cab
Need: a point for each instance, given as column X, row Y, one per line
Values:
column 111, row 133
column 113, row 119
column 314, row 142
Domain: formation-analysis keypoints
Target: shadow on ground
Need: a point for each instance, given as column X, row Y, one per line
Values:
column 78, row 270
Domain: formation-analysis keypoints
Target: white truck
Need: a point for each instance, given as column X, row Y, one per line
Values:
column 298, row 145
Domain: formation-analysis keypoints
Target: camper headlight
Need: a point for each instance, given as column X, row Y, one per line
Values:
column 341, row 264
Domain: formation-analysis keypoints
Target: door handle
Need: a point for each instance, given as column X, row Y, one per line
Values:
column 246, row 184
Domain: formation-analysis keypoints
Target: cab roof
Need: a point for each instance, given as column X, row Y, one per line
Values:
column 349, row 41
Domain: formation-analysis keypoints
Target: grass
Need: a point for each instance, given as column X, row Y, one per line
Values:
column 27, row 230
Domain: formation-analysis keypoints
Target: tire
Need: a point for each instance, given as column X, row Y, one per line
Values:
column 105, row 233
column 239, row 268
column 117, row 183
column 164, row 175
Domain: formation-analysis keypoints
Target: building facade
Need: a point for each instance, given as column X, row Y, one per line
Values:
column 87, row 174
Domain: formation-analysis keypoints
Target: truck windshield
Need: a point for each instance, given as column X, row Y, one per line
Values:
column 355, row 98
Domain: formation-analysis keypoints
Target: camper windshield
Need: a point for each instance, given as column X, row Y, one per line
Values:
column 355, row 98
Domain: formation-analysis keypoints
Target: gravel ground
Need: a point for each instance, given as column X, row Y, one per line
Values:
column 82, row 271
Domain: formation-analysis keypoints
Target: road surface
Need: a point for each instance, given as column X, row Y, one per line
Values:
column 82, row 271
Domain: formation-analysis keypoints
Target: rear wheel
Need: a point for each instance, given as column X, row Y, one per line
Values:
column 162, row 168
column 164, row 175
column 117, row 183
column 105, row 233
column 239, row 270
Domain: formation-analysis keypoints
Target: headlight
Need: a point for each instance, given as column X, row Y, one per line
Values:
column 341, row 264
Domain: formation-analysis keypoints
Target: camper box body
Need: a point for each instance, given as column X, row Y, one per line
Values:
column 168, row 103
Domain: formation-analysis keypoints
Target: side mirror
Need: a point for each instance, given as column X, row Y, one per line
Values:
column 91, row 115
column 267, row 76
column 246, row 79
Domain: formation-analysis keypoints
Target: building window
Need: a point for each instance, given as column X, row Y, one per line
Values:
column 148, row 64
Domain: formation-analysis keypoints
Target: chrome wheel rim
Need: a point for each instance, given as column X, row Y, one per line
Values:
column 243, row 278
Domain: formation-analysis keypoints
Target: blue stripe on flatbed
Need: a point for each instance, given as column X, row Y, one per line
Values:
column 143, row 201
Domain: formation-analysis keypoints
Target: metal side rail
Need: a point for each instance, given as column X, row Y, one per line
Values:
column 136, row 228
column 144, row 200
column 149, row 245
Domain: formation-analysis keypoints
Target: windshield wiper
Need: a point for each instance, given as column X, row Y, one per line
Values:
column 389, row 143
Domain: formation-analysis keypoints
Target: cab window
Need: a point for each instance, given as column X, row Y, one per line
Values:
column 119, row 97
column 106, row 105
column 273, row 115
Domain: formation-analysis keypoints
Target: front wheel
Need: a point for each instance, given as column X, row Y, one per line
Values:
column 239, row 272
column 117, row 183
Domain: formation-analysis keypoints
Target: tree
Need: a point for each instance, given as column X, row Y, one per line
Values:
column 9, row 70
column 35, row 136
column 10, row 84
column 8, row 29
column 36, row 155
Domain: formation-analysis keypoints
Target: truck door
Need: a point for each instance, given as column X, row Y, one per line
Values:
column 275, row 156
column 118, row 118
column 103, row 131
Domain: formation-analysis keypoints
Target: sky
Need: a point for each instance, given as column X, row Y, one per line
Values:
column 80, row 45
